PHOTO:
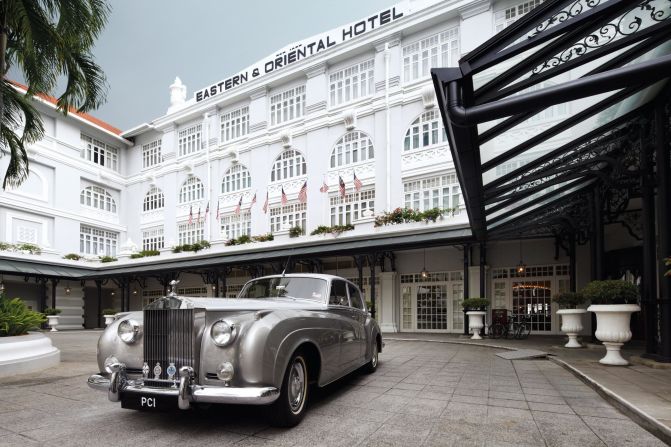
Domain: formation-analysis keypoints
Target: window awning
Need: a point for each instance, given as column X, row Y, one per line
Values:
column 540, row 113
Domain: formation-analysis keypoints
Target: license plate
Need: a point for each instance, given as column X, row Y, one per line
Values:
column 148, row 402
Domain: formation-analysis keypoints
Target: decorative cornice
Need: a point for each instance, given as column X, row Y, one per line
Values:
column 316, row 70
column 393, row 40
column 259, row 92
column 257, row 127
column 316, row 107
column 474, row 8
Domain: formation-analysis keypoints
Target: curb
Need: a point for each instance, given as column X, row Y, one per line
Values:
column 637, row 415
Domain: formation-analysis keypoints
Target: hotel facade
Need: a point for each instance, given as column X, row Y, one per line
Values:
column 354, row 106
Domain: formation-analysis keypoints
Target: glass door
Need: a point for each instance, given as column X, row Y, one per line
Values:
column 407, row 313
column 533, row 300
column 432, row 307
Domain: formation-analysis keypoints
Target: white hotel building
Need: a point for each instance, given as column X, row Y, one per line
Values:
column 364, row 105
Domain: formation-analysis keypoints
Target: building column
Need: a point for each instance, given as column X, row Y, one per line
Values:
column 649, row 278
column 54, row 284
column 388, row 302
column 372, row 264
column 572, row 262
column 99, row 291
column 467, row 294
column 663, row 159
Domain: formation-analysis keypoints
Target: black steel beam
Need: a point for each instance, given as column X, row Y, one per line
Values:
column 648, row 280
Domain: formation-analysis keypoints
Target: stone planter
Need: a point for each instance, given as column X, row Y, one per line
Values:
column 612, row 328
column 476, row 322
column 27, row 353
column 52, row 321
column 109, row 319
column 571, row 325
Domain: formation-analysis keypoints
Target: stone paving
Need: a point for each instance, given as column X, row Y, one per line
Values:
column 431, row 394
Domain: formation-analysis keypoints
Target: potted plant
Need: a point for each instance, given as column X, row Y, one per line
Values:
column 476, row 310
column 295, row 231
column 571, row 316
column 109, row 315
column 52, row 316
column 613, row 302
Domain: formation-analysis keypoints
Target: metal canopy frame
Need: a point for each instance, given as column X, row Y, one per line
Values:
column 617, row 49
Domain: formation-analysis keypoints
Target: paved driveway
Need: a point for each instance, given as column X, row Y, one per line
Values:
column 432, row 394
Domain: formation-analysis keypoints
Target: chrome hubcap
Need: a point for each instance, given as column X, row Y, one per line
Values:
column 296, row 385
column 374, row 359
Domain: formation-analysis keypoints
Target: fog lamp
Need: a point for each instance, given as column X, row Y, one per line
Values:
column 109, row 361
column 225, row 371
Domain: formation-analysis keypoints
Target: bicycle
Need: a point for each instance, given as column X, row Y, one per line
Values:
column 505, row 324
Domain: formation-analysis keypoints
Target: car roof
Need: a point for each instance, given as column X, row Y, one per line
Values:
column 323, row 276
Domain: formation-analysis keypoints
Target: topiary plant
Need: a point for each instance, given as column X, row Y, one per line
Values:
column 475, row 303
column 51, row 311
column 16, row 318
column 612, row 291
column 569, row 300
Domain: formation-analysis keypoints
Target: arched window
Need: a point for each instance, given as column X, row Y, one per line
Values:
column 236, row 178
column 353, row 147
column 153, row 200
column 192, row 189
column 98, row 198
column 289, row 164
column 425, row 131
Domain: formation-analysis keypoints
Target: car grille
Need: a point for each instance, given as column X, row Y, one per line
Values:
column 168, row 338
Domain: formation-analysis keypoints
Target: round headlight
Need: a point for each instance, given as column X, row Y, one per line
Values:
column 128, row 331
column 222, row 333
column 109, row 361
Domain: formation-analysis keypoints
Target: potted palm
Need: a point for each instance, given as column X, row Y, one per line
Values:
column 52, row 317
column 476, row 310
column 613, row 302
column 571, row 315
column 109, row 315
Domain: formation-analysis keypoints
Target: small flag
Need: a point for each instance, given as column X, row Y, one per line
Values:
column 253, row 202
column 303, row 193
column 207, row 210
column 324, row 188
column 265, row 204
column 284, row 197
column 237, row 208
column 342, row 187
column 198, row 215
column 218, row 215
column 190, row 214
column 357, row 183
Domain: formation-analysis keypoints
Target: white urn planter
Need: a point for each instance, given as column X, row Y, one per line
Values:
column 476, row 322
column 571, row 325
column 109, row 319
column 612, row 328
column 26, row 354
column 52, row 321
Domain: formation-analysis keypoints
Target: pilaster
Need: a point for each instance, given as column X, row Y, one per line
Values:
column 389, row 302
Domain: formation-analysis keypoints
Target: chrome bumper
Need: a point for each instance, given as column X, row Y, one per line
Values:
column 188, row 392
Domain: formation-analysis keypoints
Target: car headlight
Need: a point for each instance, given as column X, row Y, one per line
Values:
column 223, row 332
column 128, row 331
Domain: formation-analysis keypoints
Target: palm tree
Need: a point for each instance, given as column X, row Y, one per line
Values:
column 48, row 41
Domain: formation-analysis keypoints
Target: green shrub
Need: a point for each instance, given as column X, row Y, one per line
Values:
column 72, row 257
column 295, row 231
column 405, row 215
column 51, row 311
column 108, row 259
column 136, row 255
column 30, row 248
column 335, row 229
column 5, row 246
column 475, row 303
column 110, row 311
column 16, row 318
column 263, row 237
column 195, row 247
column 612, row 291
column 569, row 300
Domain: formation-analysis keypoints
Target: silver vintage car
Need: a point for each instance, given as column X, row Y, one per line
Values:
column 282, row 333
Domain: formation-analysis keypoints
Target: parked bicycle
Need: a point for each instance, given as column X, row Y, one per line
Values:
column 505, row 324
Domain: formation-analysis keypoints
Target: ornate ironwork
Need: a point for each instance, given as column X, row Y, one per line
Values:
column 575, row 9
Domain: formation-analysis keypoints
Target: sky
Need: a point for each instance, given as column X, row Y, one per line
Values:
column 146, row 43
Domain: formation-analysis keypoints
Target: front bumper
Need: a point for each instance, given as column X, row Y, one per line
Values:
column 187, row 392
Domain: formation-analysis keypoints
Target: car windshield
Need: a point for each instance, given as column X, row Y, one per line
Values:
column 285, row 287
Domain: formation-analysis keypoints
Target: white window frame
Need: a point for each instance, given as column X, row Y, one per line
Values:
column 289, row 164
column 352, row 148
column 426, row 131
column 352, row 207
column 192, row 190
column 189, row 140
column 291, row 215
column 235, row 225
column 99, row 153
column 506, row 17
column 153, row 238
column 426, row 193
column 237, row 178
column 98, row 199
column 287, row 105
column 151, row 154
column 93, row 240
column 438, row 50
column 190, row 233
column 234, row 124
column 352, row 83
column 154, row 200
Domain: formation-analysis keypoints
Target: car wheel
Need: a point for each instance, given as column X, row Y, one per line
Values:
column 371, row 366
column 289, row 408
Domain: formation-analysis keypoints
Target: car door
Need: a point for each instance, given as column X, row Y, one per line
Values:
column 339, row 306
column 359, row 316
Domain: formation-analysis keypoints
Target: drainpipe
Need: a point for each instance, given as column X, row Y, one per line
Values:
column 387, row 56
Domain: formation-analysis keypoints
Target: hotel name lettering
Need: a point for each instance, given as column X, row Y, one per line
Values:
column 301, row 51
